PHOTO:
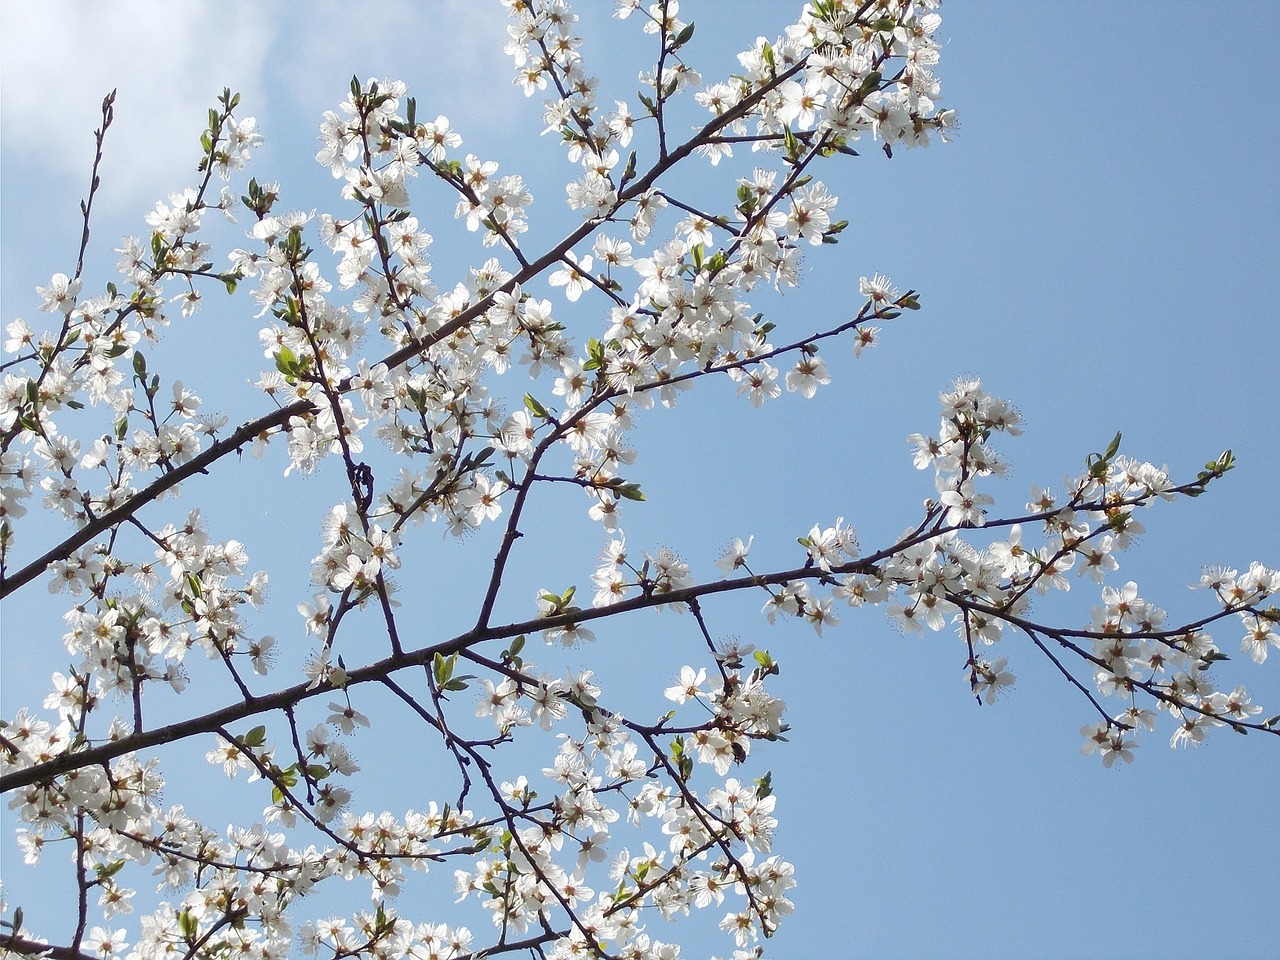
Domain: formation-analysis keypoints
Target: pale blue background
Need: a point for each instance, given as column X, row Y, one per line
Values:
column 1100, row 244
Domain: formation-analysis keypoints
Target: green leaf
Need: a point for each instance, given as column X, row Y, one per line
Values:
column 595, row 355
column 1112, row 448
column 537, row 409
column 791, row 143
column 106, row 871
column 630, row 491
column 255, row 737
column 442, row 667
column 287, row 362
column 683, row 37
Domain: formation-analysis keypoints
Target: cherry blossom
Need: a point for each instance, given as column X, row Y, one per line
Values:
column 486, row 397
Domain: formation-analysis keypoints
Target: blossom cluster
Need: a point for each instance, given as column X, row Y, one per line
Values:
column 937, row 577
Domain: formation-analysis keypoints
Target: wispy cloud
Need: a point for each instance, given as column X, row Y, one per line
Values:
column 167, row 60
column 448, row 51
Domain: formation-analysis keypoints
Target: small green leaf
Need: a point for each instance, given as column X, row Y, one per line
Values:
column 287, row 362
column 106, row 871
column 630, row 491
column 1112, row 448
column 443, row 666
column 683, row 37
column 537, row 409
column 255, row 737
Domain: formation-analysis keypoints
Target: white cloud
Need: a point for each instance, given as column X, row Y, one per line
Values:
column 448, row 51
column 168, row 61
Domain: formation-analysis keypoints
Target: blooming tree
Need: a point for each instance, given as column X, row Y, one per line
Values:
column 572, row 821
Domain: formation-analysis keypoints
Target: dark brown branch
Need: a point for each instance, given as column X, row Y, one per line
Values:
column 120, row 514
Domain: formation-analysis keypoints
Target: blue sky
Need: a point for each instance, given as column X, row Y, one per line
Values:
column 1099, row 244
